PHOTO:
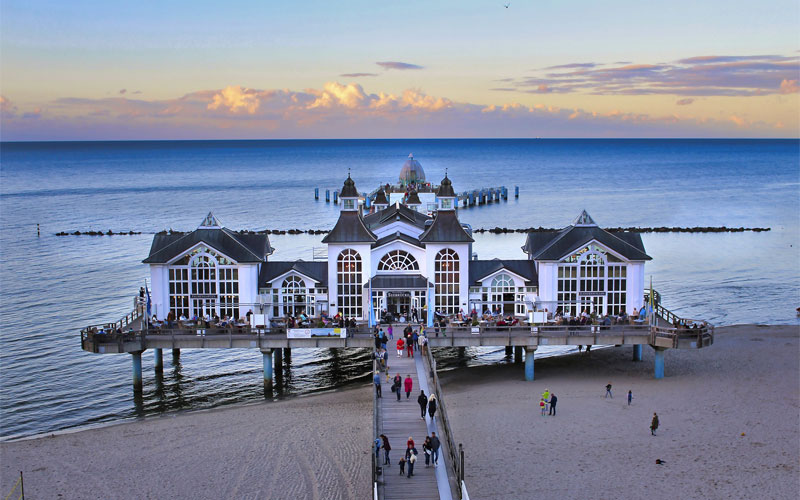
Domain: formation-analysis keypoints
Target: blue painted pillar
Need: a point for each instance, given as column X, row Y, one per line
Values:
column 516, row 191
column 429, row 319
column 316, row 193
column 327, row 196
column 529, row 363
column 637, row 352
column 659, row 362
column 266, row 355
column 158, row 357
column 136, row 357
column 336, row 197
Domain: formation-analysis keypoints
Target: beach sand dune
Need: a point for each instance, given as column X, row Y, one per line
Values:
column 730, row 423
column 314, row 447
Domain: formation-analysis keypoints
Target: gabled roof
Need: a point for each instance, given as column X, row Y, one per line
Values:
column 399, row 281
column 241, row 247
column 555, row 245
column 394, row 213
column 350, row 228
column 380, row 198
column 413, row 199
column 398, row 236
column 446, row 229
column 316, row 270
column 480, row 269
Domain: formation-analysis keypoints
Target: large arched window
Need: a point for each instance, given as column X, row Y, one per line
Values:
column 398, row 260
column 204, row 283
column 293, row 293
column 592, row 279
column 502, row 293
column 348, row 282
column 446, row 281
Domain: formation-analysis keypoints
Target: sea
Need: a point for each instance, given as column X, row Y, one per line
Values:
column 52, row 286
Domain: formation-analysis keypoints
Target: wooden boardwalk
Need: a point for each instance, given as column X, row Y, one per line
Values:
column 401, row 419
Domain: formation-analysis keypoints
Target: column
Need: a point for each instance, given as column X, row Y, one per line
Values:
column 509, row 350
column 158, row 358
column 278, row 353
column 176, row 356
column 659, row 362
column 518, row 354
column 637, row 352
column 529, row 363
column 266, row 355
column 136, row 358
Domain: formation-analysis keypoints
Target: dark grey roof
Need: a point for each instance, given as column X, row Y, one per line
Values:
column 445, row 228
column 446, row 188
column 241, row 247
column 272, row 269
column 394, row 213
column 479, row 269
column 398, row 281
column 349, row 189
column 398, row 236
column 350, row 228
column 555, row 245
column 380, row 198
column 413, row 199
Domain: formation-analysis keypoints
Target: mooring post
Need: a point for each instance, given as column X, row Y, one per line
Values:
column 518, row 354
column 516, row 191
column 136, row 358
column 316, row 193
column 659, row 362
column 637, row 352
column 327, row 196
column 158, row 358
column 336, row 197
column 529, row 363
column 266, row 355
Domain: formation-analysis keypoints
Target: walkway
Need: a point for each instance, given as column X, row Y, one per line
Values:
column 401, row 419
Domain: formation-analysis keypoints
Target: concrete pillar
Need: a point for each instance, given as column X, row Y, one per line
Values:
column 278, row 353
column 287, row 353
column 176, row 355
column 659, row 362
column 509, row 350
column 637, row 352
column 136, row 358
column 266, row 355
column 529, row 363
column 518, row 354
column 158, row 358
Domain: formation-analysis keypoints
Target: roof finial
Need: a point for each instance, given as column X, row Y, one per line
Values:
column 348, row 172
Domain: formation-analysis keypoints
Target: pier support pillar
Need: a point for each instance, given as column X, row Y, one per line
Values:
column 176, row 355
column 637, row 352
column 509, row 351
column 278, row 353
column 659, row 362
column 266, row 355
column 158, row 358
column 136, row 358
column 529, row 363
column 518, row 354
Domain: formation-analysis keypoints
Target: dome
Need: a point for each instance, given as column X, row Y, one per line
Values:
column 446, row 188
column 349, row 189
column 412, row 172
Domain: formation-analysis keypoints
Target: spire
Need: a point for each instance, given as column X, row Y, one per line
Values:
column 584, row 220
column 210, row 222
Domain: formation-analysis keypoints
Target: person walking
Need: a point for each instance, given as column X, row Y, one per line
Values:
column 378, row 443
column 432, row 406
column 398, row 382
column 377, row 380
column 410, row 348
column 435, row 445
column 654, row 424
column 424, row 343
column 630, row 397
column 411, row 458
column 422, row 400
column 543, row 407
column 389, row 329
column 608, row 391
column 546, row 397
column 402, row 464
column 386, row 449
column 400, row 346
column 427, row 449
column 553, row 401
column 408, row 384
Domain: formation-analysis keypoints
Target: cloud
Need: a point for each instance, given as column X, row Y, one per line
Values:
column 357, row 75
column 136, row 92
column 684, row 102
column 397, row 65
column 7, row 108
column 789, row 87
column 122, row 91
column 338, row 110
column 725, row 75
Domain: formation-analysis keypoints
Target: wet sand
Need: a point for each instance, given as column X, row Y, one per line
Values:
column 729, row 414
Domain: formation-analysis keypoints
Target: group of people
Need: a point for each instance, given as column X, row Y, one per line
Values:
column 208, row 321
column 430, row 448
column 548, row 403
column 587, row 317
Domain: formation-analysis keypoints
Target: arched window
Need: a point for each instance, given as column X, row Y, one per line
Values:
column 446, row 281
column 502, row 293
column 398, row 260
column 348, row 282
column 293, row 293
column 204, row 283
column 592, row 279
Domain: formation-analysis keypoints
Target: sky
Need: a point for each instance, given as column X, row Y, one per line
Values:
column 99, row 70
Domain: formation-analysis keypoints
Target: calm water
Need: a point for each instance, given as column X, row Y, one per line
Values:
column 52, row 286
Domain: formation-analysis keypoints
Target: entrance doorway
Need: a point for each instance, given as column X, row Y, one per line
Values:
column 398, row 303
column 204, row 307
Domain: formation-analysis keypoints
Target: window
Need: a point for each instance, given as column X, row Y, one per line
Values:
column 398, row 260
column 446, row 282
column 179, row 292
column 502, row 293
column 348, row 282
column 203, row 282
column 295, row 298
column 594, row 280
column 349, row 204
column 447, row 204
column 617, row 288
column 568, row 290
column 229, row 292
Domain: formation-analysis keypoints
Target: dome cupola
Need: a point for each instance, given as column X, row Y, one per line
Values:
column 349, row 194
column 412, row 172
column 445, row 195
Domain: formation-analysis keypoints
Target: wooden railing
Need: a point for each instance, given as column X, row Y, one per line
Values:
column 456, row 455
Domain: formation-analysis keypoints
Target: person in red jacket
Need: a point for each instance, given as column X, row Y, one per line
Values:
column 400, row 345
column 408, row 384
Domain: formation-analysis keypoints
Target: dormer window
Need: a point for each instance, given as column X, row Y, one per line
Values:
column 349, row 204
column 447, row 204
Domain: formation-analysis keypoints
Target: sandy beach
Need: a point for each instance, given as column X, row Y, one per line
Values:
column 729, row 414
column 312, row 447
column 730, row 428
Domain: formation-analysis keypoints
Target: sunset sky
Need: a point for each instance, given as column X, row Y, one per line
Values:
column 82, row 70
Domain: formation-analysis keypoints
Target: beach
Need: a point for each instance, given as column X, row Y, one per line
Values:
column 729, row 414
column 729, row 423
